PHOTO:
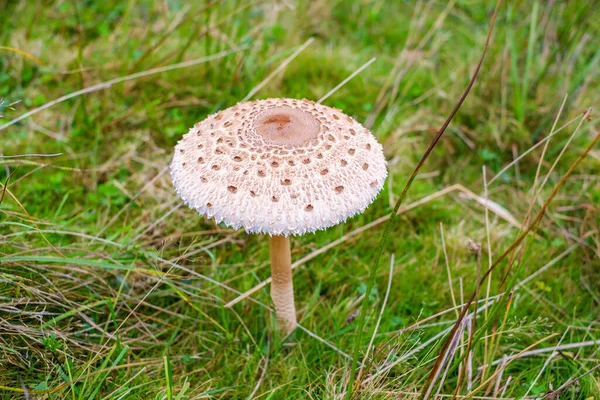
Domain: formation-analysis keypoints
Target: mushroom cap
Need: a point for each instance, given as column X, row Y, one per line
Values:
column 278, row 166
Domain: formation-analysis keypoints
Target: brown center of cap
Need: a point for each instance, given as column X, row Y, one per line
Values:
column 287, row 126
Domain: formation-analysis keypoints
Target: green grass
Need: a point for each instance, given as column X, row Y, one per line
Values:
column 109, row 289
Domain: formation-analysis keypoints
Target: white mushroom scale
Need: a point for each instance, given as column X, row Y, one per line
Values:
column 281, row 167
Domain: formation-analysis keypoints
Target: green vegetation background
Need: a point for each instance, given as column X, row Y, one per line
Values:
column 102, row 273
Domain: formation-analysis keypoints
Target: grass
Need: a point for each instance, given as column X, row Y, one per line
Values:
column 110, row 289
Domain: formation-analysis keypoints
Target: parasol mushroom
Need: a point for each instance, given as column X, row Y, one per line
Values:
column 279, row 167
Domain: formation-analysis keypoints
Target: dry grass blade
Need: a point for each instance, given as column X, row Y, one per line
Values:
column 108, row 84
column 500, row 370
column 469, row 358
column 493, row 207
column 280, row 68
column 31, row 155
column 5, row 185
column 583, row 118
column 562, row 347
column 23, row 53
column 335, row 89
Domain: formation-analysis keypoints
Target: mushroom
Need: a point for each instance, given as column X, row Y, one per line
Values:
column 279, row 167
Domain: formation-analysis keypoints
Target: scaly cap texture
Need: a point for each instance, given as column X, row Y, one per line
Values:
column 278, row 166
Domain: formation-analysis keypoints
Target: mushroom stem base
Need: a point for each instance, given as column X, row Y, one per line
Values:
column 282, row 287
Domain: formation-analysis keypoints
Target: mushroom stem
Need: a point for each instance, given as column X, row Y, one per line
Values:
column 282, row 287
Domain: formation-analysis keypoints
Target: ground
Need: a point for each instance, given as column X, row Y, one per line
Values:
column 110, row 288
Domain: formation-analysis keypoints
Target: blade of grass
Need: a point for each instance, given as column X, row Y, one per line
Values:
column 168, row 377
